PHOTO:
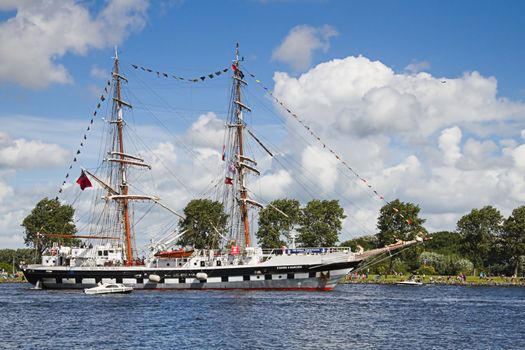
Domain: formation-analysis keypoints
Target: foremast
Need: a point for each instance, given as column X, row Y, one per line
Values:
column 117, row 155
column 122, row 166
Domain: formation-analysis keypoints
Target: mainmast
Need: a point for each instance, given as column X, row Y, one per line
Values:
column 241, row 158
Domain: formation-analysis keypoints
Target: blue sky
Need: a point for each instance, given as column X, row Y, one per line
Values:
column 454, row 37
column 447, row 40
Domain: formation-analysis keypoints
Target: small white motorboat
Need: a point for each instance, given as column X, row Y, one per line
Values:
column 106, row 288
column 410, row 283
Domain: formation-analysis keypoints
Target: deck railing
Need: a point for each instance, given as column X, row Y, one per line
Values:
column 305, row 250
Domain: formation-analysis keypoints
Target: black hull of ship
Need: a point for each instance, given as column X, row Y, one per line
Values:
column 313, row 277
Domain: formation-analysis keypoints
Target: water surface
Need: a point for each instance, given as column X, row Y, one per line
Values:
column 352, row 316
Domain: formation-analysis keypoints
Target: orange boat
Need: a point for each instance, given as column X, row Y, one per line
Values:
column 181, row 253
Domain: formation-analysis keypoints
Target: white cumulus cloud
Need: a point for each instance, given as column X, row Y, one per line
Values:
column 519, row 157
column 449, row 143
column 41, row 32
column 5, row 190
column 318, row 162
column 207, row 131
column 300, row 43
column 417, row 66
column 29, row 154
column 275, row 185
column 99, row 73
column 367, row 97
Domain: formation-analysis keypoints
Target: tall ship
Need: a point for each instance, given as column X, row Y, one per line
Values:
column 109, row 255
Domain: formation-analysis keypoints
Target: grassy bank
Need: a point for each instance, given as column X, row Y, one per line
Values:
column 19, row 279
column 440, row 280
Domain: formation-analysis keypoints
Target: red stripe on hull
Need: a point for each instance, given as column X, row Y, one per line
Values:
column 324, row 289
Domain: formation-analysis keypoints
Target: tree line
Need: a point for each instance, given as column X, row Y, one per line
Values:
column 317, row 224
column 483, row 239
column 483, row 242
column 10, row 257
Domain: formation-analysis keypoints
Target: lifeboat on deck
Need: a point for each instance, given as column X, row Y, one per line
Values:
column 180, row 253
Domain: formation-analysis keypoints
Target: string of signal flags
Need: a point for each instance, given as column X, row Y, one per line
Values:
column 81, row 180
column 178, row 77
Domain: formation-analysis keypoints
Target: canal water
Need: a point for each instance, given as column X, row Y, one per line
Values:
column 356, row 316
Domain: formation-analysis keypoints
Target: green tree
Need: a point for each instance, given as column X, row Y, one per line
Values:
column 437, row 261
column 6, row 267
column 513, row 237
column 321, row 222
column 478, row 231
column 9, row 255
column 366, row 242
column 205, row 222
column 445, row 264
column 49, row 217
column 274, row 227
column 460, row 265
column 444, row 242
column 398, row 220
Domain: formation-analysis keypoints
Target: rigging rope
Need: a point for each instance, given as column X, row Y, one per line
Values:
column 378, row 259
column 180, row 142
column 291, row 113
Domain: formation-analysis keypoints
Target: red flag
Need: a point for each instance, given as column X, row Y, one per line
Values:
column 235, row 69
column 228, row 181
column 83, row 181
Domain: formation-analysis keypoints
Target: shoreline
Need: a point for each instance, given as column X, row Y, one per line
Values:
column 13, row 280
column 470, row 281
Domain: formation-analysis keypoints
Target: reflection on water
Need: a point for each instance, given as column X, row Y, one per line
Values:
column 352, row 316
